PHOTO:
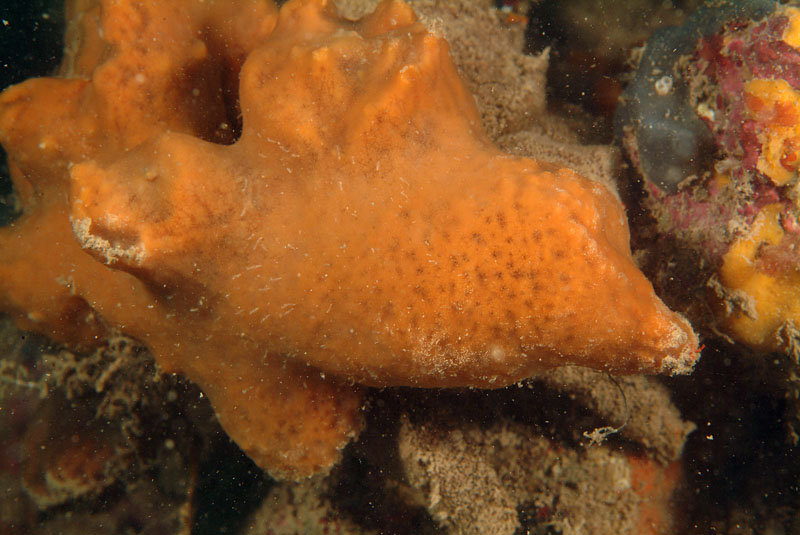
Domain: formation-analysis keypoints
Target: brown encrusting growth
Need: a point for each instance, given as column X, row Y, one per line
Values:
column 477, row 480
column 356, row 226
column 639, row 407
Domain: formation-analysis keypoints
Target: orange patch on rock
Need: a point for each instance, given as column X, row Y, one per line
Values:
column 355, row 226
column 655, row 484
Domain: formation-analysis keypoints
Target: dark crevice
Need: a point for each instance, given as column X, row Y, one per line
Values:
column 231, row 486
column 218, row 116
column 9, row 204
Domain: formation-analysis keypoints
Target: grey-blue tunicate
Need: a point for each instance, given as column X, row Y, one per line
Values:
column 673, row 143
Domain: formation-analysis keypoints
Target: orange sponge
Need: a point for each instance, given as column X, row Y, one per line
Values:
column 360, row 229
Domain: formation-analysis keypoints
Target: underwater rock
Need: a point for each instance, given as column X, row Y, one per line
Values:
column 639, row 407
column 736, row 72
column 302, row 508
column 98, row 439
column 486, row 462
column 479, row 480
column 725, row 244
column 69, row 454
